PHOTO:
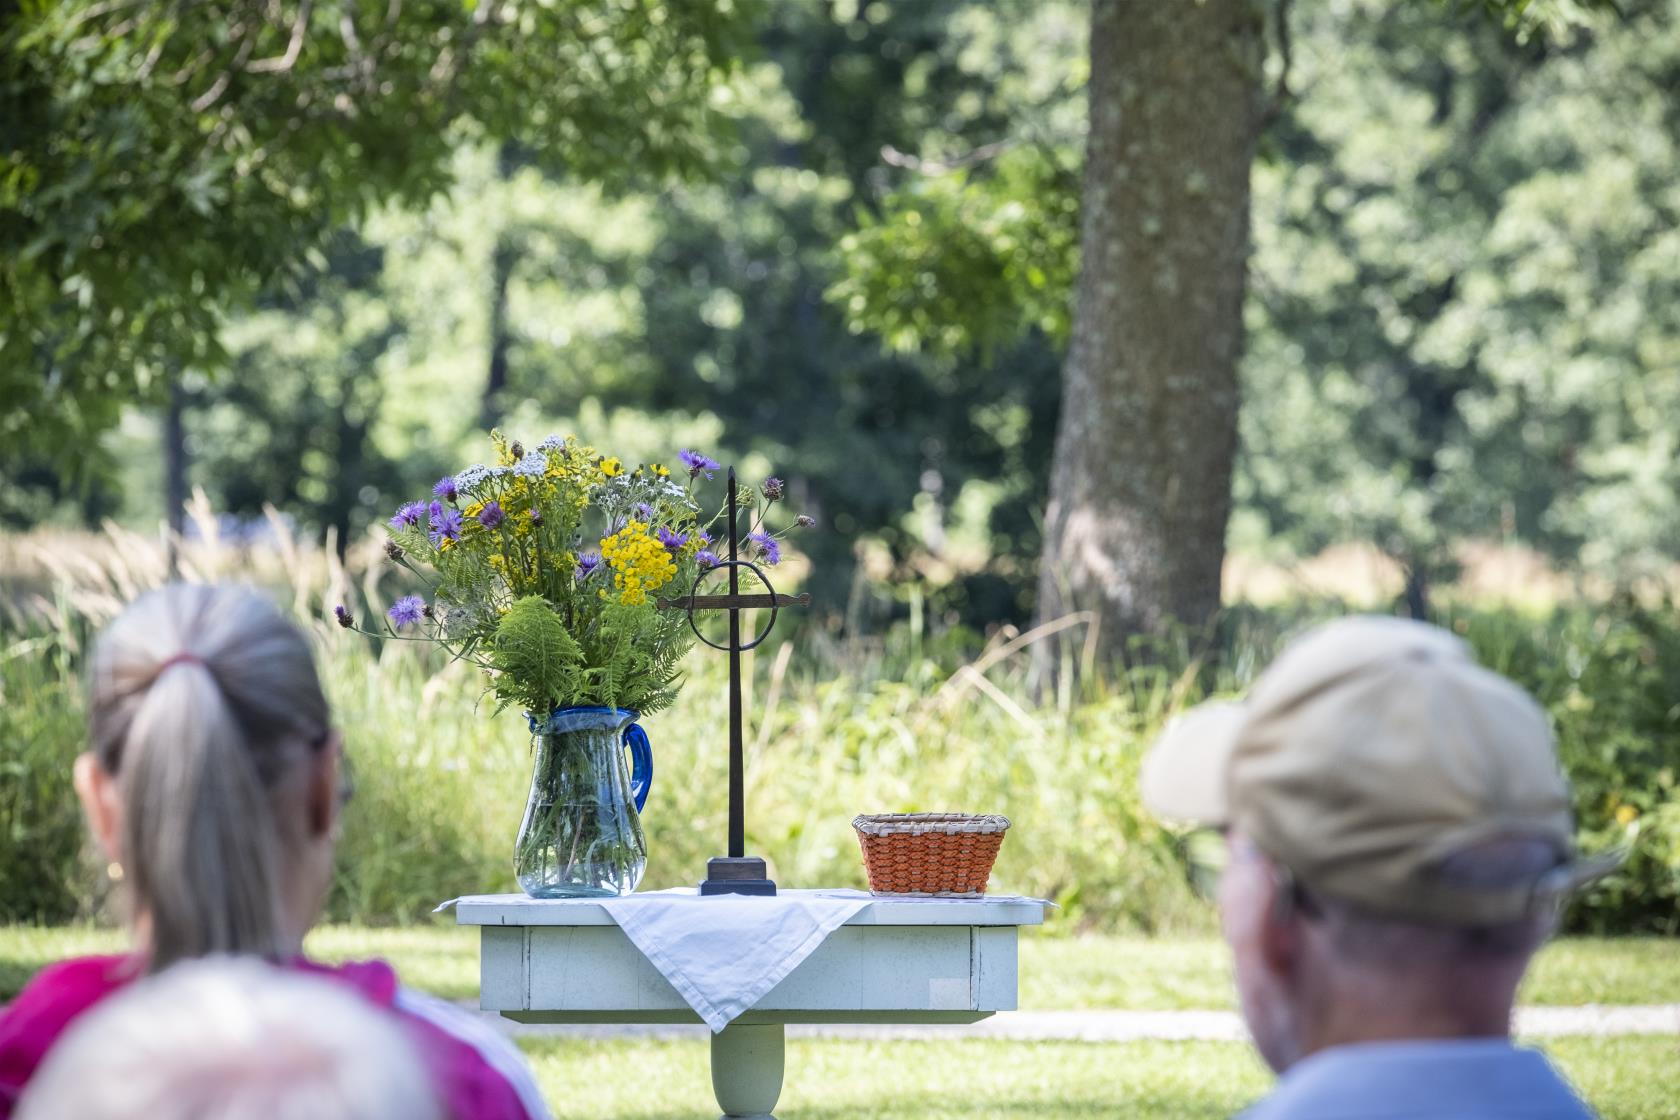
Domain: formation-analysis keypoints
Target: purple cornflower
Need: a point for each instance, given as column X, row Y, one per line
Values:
column 673, row 541
column 768, row 547
column 586, row 564
column 342, row 613
column 407, row 611
column 445, row 488
column 491, row 515
column 536, row 517
column 445, row 524
column 706, row 559
column 697, row 463
column 643, row 511
column 408, row 515
column 772, row 489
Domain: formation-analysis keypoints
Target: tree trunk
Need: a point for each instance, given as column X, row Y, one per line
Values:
column 350, row 447
column 1140, row 486
column 501, row 272
column 174, row 472
column 1417, row 590
column 506, row 255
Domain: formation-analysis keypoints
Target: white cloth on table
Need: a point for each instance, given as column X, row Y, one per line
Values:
column 723, row 953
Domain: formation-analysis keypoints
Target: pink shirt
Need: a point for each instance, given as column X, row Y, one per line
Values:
column 479, row 1074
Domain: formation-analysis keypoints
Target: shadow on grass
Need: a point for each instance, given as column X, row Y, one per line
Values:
column 987, row 1107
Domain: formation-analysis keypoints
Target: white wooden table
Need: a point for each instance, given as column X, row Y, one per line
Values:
column 895, row 961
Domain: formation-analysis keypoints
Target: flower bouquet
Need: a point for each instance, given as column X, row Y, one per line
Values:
column 542, row 569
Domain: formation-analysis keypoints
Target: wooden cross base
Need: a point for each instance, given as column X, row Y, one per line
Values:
column 736, row 875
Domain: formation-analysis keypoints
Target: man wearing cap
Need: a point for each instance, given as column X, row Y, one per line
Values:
column 1399, row 841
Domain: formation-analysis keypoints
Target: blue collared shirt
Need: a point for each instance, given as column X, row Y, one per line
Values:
column 1441, row 1079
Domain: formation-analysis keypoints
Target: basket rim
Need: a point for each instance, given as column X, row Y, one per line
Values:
column 913, row 824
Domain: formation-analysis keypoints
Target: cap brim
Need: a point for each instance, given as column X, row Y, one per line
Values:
column 1183, row 776
column 1579, row 873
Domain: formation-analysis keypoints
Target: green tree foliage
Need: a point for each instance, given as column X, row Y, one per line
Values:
column 969, row 259
column 1466, row 321
column 721, row 312
column 164, row 163
column 698, row 310
column 936, row 455
column 1461, row 322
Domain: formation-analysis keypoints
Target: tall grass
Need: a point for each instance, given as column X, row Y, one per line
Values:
column 909, row 720
column 42, row 877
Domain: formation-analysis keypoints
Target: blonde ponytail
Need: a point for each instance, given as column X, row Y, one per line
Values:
column 203, row 700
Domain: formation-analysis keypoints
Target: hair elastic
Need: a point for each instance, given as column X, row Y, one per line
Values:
column 182, row 658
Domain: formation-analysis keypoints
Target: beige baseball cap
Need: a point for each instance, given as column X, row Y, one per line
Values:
column 1370, row 751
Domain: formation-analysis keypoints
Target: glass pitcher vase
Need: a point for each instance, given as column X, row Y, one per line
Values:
column 582, row 835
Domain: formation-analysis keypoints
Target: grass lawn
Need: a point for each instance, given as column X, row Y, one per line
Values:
column 1625, row 1079
column 1135, row 974
column 1142, row 974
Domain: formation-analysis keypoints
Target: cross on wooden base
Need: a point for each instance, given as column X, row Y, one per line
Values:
column 736, row 873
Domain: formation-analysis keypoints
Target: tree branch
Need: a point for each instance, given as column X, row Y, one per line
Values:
column 1280, row 91
column 283, row 63
column 210, row 96
column 180, row 76
column 99, row 11
column 892, row 157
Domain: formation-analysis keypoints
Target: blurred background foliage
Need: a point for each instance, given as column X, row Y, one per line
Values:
column 837, row 240
column 853, row 260
column 908, row 720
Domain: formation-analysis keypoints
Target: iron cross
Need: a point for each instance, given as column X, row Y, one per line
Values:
column 736, row 873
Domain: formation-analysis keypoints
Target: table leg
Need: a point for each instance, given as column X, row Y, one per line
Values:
column 747, row 1069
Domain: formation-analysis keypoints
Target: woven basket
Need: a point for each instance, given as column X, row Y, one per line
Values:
column 947, row 855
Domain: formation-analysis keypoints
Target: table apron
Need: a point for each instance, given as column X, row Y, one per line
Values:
column 935, row 970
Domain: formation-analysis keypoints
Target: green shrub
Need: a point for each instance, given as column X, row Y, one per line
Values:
column 902, row 724
column 434, row 778
column 1610, row 678
column 44, row 875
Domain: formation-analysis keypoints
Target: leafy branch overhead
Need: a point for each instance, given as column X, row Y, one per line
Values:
column 168, row 163
column 967, row 259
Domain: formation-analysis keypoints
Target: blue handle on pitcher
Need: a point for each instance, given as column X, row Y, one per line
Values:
column 641, row 763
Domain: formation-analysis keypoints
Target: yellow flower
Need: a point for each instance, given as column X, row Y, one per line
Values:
column 660, row 470
column 1626, row 815
column 612, row 468
column 639, row 563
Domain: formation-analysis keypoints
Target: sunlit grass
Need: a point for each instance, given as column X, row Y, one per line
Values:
column 1624, row 1078
column 1635, row 1078
column 916, row 718
column 1057, row 973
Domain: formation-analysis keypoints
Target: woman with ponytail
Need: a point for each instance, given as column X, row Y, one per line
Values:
column 213, row 784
